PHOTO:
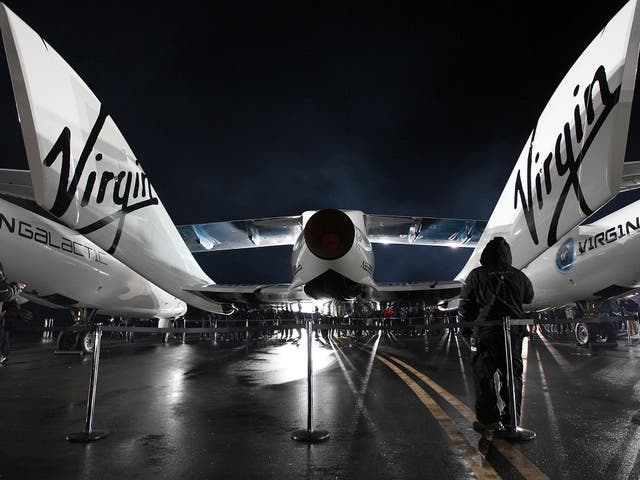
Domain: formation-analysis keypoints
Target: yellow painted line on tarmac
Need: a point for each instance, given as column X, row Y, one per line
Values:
column 479, row 465
column 465, row 411
column 526, row 468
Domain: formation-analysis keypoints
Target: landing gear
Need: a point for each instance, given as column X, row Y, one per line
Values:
column 582, row 334
column 76, row 341
column 80, row 340
column 603, row 333
column 88, row 342
column 165, row 323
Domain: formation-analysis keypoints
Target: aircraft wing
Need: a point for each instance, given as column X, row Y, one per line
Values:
column 429, row 292
column 429, row 231
column 16, row 183
column 276, row 231
column 263, row 232
column 630, row 176
column 251, row 294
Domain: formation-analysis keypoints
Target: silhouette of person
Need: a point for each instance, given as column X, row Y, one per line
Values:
column 491, row 292
column 9, row 291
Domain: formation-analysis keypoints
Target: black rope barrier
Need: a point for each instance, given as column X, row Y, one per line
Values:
column 355, row 324
column 512, row 432
column 89, row 434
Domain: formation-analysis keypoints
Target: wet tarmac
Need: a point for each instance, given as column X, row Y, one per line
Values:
column 396, row 408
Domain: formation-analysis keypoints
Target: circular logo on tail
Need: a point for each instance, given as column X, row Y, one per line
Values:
column 565, row 256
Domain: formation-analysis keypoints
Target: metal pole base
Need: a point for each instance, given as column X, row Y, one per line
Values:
column 517, row 434
column 84, row 437
column 310, row 436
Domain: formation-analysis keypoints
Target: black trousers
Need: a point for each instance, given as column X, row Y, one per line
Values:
column 4, row 341
column 489, row 358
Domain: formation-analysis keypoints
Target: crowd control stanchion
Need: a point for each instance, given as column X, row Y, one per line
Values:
column 513, row 431
column 309, row 435
column 89, row 434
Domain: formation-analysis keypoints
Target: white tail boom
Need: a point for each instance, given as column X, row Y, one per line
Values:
column 572, row 163
column 83, row 170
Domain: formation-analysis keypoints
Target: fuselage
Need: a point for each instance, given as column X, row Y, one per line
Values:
column 333, row 257
column 63, row 268
column 591, row 262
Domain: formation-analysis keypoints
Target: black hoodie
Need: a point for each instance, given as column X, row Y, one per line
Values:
column 496, row 289
column 8, row 290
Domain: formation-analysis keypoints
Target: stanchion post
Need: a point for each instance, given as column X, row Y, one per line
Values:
column 513, row 431
column 309, row 435
column 89, row 434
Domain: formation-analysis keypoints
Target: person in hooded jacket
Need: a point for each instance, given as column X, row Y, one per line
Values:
column 491, row 292
column 10, row 315
column 9, row 291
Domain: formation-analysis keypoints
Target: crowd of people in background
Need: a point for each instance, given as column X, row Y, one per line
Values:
column 287, row 324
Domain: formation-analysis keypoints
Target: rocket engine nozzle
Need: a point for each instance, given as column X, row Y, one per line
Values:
column 329, row 234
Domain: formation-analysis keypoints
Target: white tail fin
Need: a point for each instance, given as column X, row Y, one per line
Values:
column 83, row 170
column 572, row 162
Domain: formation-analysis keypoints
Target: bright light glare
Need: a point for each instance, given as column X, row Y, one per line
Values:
column 284, row 363
column 321, row 306
column 175, row 385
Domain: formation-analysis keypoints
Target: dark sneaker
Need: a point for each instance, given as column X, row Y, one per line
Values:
column 486, row 427
column 3, row 359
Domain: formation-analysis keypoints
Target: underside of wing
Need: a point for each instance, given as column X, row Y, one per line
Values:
column 16, row 183
column 630, row 176
column 233, row 235
column 428, row 292
column 276, row 294
column 430, row 231
column 252, row 294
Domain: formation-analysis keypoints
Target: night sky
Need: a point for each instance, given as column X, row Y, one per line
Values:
column 257, row 109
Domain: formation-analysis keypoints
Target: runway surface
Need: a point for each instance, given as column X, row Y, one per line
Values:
column 395, row 407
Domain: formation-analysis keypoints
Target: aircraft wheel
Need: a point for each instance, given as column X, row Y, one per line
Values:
column 609, row 333
column 602, row 335
column 88, row 342
column 582, row 334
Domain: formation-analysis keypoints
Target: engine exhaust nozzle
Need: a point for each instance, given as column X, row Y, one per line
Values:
column 329, row 234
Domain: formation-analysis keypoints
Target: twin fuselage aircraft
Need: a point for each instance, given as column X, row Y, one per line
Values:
column 113, row 247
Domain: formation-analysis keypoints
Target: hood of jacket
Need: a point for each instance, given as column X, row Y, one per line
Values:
column 497, row 254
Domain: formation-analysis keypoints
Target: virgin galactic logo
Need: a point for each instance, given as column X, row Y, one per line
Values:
column 131, row 190
column 565, row 256
column 566, row 165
